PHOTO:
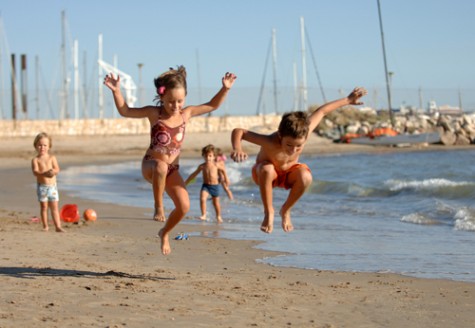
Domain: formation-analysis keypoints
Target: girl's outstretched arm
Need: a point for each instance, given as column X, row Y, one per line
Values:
column 217, row 100
column 114, row 85
column 352, row 99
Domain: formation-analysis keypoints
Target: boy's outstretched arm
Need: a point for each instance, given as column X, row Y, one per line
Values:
column 238, row 134
column 352, row 99
column 238, row 155
column 193, row 175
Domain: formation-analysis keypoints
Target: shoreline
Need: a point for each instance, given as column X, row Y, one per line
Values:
column 111, row 272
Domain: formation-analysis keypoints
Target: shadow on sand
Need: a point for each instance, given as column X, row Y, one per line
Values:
column 32, row 273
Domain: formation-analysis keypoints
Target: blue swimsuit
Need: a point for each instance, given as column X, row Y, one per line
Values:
column 213, row 190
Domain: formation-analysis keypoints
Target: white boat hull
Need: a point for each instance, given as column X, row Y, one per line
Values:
column 400, row 139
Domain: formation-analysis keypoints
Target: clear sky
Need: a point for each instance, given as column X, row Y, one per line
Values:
column 430, row 44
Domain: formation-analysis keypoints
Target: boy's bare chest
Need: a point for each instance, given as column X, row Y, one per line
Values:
column 210, row 169
column 44, row 163
column 279, row 158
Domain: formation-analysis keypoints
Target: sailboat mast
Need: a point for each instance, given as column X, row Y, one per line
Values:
column 263, row 82
column 388, row 88
column 460, row 101
column 64, row 105
column 76, row 78
column 296, row 89
column 198, row 73
column 37, row 86
column 274, row 69
column 304, row 65
column 100, row 78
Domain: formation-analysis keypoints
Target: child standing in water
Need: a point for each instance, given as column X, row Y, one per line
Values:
column 224, row 180
column 45, row 168
column 168, row 119
column 277, row 163
column 212, row 170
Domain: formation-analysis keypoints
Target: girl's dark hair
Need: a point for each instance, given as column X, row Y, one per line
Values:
column 294, row 124
column 171, row 79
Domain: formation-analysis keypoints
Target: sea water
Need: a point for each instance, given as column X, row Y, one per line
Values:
column 411, row 213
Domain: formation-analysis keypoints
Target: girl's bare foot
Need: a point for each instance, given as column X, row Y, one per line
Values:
column 286, row 222
column 45, row 229
column 165, row 243
column 220, row 219
column 268, row 223
column 203, row 217
column 60, row 230
column 159, row 214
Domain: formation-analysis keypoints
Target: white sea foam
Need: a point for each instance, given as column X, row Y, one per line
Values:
column 427, row 184
column 418, row 218
column 465, row 219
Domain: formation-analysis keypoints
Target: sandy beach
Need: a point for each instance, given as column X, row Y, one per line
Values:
column 111, row 273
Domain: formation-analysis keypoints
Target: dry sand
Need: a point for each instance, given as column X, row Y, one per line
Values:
column 111, row 273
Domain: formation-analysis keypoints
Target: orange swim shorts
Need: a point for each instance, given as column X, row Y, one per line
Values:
column 281, row 180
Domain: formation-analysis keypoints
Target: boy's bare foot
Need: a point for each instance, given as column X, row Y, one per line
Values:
column 268, row 223
column 286, row 222
column 220, row 219
column 165, row 243
column 60, row 230
column 159, row 214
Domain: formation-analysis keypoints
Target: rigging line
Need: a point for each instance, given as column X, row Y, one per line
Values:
column 259, row 101
column 56, row 75
column 315, row 66
column 89, row 90
column 48, row 95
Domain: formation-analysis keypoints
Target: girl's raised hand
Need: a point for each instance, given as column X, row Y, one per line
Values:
column 356, row 94
column 111, row 82
column 228, row 80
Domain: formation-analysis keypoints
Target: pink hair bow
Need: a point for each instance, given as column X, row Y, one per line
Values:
column 161, row 90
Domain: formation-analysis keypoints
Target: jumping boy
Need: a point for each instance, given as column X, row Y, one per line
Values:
column 277, row 163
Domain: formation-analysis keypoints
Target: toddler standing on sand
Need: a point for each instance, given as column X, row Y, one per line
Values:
column 212, row 170
column 168, row 120
column 45, row 168
column 277, row 163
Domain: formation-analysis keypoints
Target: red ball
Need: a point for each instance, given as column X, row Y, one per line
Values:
column 90, row 215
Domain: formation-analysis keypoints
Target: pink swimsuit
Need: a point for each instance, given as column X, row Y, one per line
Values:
column 167, row 140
